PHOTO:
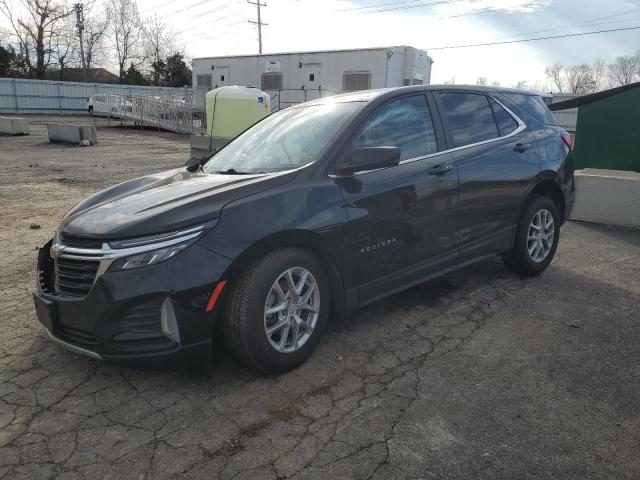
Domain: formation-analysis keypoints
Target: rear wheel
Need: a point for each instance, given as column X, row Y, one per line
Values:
column 278, row 311
column 536, row 238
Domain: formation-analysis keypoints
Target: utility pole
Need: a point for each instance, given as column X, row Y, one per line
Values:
column 80, row 26
column 259, row 23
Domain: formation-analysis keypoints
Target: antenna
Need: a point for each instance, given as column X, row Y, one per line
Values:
column 259, row 23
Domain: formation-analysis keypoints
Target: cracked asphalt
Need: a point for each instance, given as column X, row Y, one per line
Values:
column 478, row 374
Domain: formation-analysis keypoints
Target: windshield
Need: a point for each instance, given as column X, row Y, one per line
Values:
column 285, row 140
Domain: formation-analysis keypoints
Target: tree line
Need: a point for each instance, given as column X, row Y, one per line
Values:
column 49, row 38
column 581, row 79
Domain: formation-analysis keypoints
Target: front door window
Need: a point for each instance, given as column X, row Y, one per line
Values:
column 405, row 123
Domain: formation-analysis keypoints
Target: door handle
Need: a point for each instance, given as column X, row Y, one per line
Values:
column 522, row 147
column 440, row 169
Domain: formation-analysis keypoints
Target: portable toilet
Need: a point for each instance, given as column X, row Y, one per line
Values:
column 233, row 109
column 230, row 111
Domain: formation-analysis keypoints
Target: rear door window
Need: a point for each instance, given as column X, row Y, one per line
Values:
column 506, row 123
column 404, row 123
column 469, row 116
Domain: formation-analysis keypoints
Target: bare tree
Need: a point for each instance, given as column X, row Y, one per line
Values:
column 600, row 73
column 580, row 79
column 89, row 40
column 126, row 30
column 522, row 85
column 36, row 30
column 159, row 43
column 555, row 74
column 624, row 69
column 64, row 46
column 482, row 81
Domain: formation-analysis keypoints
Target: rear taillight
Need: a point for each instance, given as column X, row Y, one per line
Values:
column 567, row 138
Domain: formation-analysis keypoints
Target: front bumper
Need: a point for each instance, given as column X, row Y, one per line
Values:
column 120, row 319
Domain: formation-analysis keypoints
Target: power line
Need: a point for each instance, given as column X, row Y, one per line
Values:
column 157, row 7
column 585, row 22
column 406, row 7
column 259, row 23
column 213, row 36
column 209, row 21
column 532, row 39
column 197, row 4
column 388, row 4
column 203, row 13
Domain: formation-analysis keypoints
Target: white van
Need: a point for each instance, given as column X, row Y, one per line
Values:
column 98, row 104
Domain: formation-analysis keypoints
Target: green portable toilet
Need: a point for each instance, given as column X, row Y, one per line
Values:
column 233, row 109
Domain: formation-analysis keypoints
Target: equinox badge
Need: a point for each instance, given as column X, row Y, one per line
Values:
column 376, row 245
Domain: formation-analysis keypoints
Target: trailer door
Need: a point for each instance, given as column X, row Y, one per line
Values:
column 221, row 77
column 311, row 80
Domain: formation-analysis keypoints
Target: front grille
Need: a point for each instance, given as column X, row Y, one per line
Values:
column 79, row 242
column 75, row 277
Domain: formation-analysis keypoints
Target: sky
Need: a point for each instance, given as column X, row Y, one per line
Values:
column 221, row 27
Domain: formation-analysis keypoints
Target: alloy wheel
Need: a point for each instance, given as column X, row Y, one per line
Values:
column 291, row 310
column 541, row 235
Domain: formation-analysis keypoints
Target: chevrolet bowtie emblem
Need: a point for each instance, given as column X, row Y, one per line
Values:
column 55, row 250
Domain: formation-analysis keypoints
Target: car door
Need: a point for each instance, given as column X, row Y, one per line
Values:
column 496, row 159
column 402, row 220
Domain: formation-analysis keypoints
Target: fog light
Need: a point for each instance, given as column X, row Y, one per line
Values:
column 168, row 321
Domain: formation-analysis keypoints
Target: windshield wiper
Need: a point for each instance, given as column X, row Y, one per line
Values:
column 233, row 171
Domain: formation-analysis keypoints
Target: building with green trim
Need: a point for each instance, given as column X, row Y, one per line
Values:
column 608, row 128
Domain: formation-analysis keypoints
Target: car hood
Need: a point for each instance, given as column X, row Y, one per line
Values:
column 162, row 202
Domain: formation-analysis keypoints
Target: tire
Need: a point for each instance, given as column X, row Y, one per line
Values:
column 246, row 320
column 519, row 259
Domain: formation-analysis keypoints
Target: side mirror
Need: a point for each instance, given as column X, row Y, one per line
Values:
column 193, row 164
column 370, row 158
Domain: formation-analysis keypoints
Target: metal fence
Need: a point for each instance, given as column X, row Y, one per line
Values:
column 285, row 97
column 175, row 114
column 49, row 97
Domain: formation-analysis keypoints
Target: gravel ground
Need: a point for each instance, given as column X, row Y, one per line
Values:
column 479, row 374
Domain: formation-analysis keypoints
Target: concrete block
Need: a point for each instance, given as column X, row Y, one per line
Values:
column 14, row 126
column 611, row 197
column 76, row 134
column 203, row 146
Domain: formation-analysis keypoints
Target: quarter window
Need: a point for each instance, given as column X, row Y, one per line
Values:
column 533, row 105
column 470, row 117
column 506, row 123
column 405, row 123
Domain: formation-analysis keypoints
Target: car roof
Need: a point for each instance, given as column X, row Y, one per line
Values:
column 369, row 95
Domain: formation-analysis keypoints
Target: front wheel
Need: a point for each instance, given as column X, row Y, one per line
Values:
column 536, row 238
column 278, row 311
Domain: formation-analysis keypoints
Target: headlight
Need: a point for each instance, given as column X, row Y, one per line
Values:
column 145, row 251
column 147, row 258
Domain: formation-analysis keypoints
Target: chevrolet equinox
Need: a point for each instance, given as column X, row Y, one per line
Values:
column 316, row 210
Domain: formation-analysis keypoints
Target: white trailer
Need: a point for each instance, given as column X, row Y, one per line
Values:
column 300, row 76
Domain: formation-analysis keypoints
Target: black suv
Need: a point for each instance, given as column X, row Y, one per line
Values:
column 315, row 211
